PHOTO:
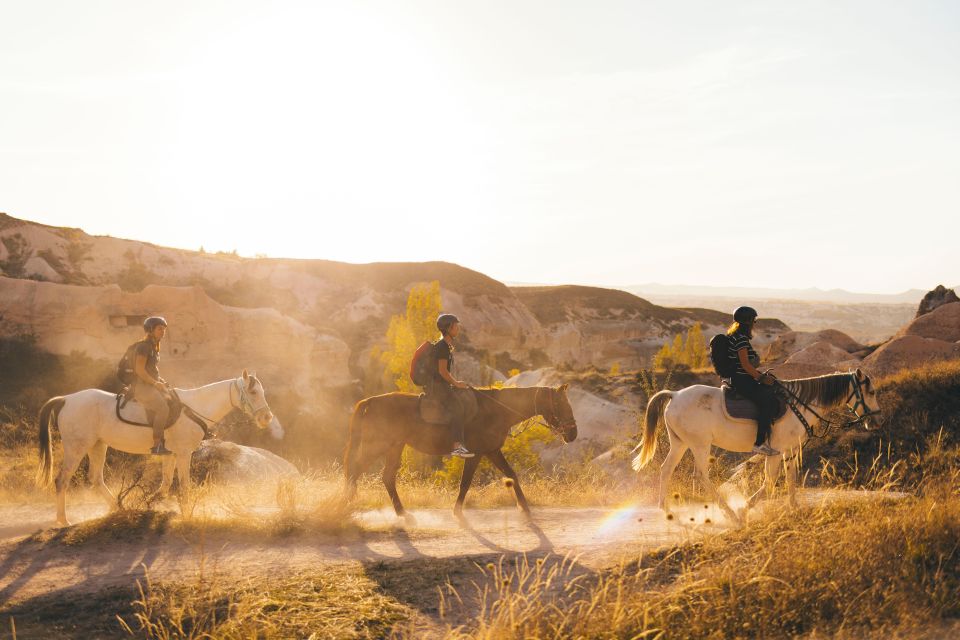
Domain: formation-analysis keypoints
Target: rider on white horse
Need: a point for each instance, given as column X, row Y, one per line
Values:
column 149, row 388
column 748, row 381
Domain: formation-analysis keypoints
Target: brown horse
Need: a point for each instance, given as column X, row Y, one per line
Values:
column 383, row 425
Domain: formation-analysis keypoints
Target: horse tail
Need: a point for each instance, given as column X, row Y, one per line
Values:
column 651, row 419
column 350, row 461
column 49, row 412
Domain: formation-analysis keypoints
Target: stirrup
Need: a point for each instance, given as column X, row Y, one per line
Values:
column 160, row 450
column 462, row 452
column 765, row 450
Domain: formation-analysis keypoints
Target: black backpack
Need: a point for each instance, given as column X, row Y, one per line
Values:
column 125, row 367
column 720, row 356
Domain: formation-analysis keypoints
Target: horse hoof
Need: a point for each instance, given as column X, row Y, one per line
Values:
column 408, row 519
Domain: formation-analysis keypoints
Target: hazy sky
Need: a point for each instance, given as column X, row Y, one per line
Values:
column 584, row 142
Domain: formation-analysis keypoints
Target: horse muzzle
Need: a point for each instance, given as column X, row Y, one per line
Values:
column 569, row 434
column 264, row 417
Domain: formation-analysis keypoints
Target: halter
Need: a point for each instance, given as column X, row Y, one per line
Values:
column 245, row 404
column 857, row 392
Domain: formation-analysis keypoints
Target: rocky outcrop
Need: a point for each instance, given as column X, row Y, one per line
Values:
column 791, row 342
column 936, row 298
column 908, row 352
column 227, row 462
column 207, row 341
column 942, row 323
column 932, row 337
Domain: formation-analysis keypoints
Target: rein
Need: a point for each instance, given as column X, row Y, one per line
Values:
column 794, row 402
column 536, row 412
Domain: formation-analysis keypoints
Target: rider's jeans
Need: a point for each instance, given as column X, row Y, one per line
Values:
column 764, row 397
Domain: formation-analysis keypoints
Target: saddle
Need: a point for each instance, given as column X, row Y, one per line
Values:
column 434, row 411
column 136, row 412
column 738, row 407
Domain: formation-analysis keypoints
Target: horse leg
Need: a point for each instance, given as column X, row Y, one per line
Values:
column 97, row 457
column 701, row 457
column 390, row 468
column 790, row 475
column 771, row 471
column 466, row 479
column 183, row 472
column 167, row 467
column 677, row 449
column 500, row 462
column 71, row 460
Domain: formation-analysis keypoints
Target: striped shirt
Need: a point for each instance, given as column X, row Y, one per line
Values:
column 736, row 341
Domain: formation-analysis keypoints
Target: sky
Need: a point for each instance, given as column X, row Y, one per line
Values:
column 765, row 144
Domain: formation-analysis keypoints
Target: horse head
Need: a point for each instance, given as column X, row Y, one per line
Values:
column 863, row 400
column 253, row 402
column 561, row 418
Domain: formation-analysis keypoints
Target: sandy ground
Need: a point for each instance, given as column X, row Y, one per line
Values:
column 597, row 535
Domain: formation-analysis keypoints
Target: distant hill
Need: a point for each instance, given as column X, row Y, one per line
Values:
column 813, row 294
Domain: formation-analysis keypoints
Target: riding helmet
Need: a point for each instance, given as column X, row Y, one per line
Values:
column 445, row 321
column 153, row 321
column 745, row 314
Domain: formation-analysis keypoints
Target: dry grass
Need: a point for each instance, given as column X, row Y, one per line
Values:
column 878, row 567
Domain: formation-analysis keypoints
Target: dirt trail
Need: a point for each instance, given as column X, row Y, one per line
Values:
column 598, row 535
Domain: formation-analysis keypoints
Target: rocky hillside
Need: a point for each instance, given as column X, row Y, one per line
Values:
column 932, row 336
column 106, row 285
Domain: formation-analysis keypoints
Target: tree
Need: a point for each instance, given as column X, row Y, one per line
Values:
column 688, row 349
column 408, row 331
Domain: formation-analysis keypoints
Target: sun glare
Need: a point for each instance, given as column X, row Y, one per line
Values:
column 359, row 117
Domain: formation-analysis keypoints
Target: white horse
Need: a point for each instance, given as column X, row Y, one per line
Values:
column 696, row 420
column 88, row 424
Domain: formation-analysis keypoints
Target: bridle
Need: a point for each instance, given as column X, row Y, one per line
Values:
column 557, row 428
column 245, row 404
column 555, row 425
column 861, row 402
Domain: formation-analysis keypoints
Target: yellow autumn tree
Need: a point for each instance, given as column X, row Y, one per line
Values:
column 688, row 349
column 408, row 331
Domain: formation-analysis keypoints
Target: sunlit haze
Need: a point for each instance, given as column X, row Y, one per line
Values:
column 607, row 143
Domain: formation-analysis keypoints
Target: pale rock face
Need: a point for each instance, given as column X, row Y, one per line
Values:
column 206, row 341
column 907, row 352
column 821, row 352
column 791, row 342
column 943, row 323
column 227, row 462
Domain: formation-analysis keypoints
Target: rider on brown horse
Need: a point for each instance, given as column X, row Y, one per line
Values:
column 451, row 393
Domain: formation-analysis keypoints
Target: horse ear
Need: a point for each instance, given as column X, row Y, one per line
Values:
column 245, row 375
column 859, row 374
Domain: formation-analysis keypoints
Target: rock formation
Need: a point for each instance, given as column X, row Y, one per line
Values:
column 935, row 298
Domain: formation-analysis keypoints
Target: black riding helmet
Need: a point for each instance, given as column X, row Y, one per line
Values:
column 445, row 321
column 153, row 321
column 745, row 314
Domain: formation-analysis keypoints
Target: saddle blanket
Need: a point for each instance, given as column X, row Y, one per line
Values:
column 738, row 407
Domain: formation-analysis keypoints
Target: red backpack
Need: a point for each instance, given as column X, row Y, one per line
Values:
column 423, row 365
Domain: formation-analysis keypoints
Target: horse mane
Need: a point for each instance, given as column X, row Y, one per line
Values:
column 825, row 391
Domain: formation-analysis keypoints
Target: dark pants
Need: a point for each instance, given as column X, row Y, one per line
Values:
column 156, row 403
column 765, row 397
column 455, row 402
